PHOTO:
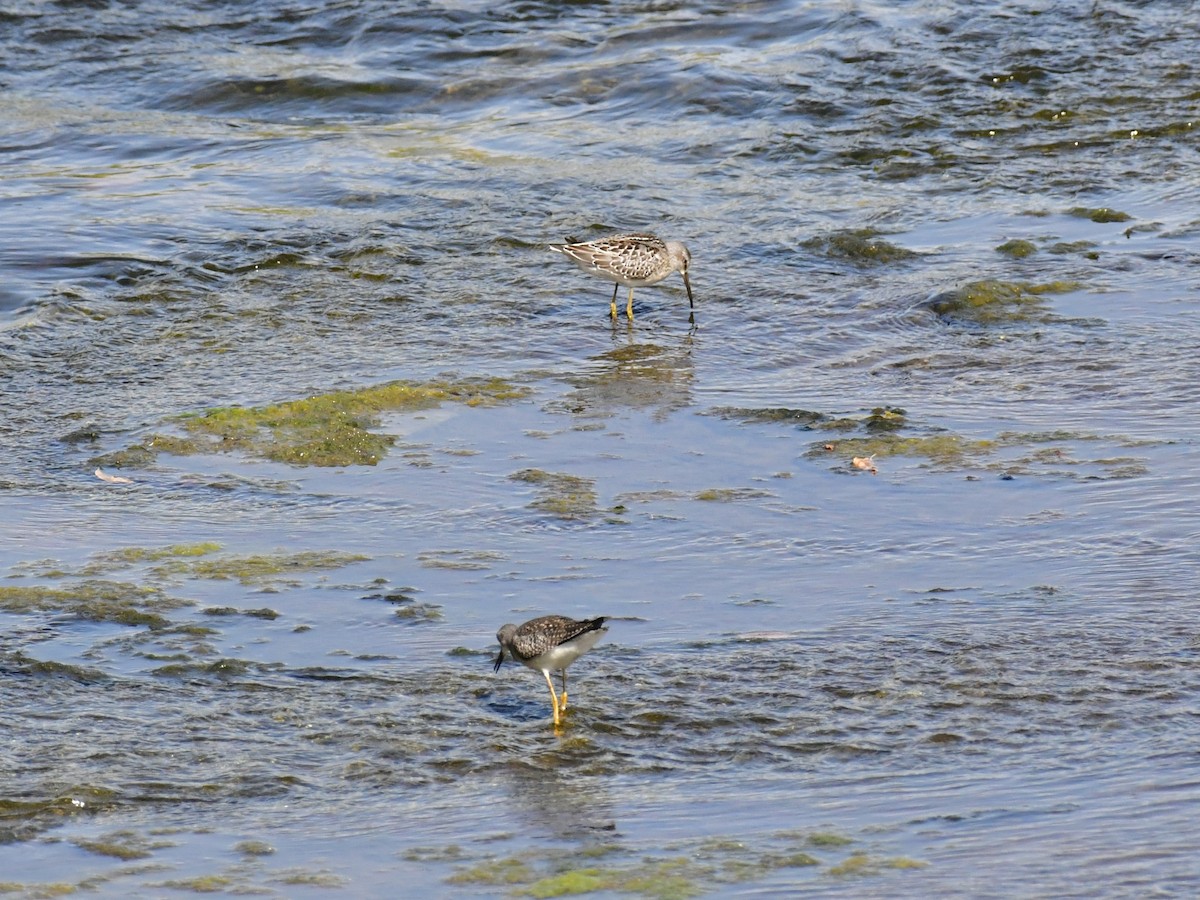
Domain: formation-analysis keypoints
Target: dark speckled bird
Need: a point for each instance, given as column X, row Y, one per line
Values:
column 633, row 260
column 550, row 644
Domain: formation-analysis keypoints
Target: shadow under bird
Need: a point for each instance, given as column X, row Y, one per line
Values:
column 632, row 260
column 550, row 644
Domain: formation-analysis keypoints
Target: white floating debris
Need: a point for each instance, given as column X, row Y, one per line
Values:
column 112, row 479
column 865, row 462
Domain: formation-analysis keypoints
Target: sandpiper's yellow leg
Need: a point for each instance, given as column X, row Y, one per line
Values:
column 629, row 308
column 562, row 697
column 612, row 309
column 553, row 697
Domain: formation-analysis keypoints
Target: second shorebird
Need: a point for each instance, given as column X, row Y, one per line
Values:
column 550, row 644
column 632, row 260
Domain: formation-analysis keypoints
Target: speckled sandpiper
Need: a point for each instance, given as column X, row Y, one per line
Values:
column 633, row 260
column 550, row 644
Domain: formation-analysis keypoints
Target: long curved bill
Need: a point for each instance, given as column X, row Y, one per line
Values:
column 687, row 284
column 499, row 660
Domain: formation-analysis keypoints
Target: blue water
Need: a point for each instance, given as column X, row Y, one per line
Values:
column 967, row 674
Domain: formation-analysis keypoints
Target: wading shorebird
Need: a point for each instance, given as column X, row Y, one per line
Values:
column 550, row 644
column 633, row 260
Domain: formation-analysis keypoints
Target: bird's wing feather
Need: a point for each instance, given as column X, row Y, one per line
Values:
column 539, row 635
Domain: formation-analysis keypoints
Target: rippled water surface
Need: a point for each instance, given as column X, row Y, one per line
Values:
column 956, row 243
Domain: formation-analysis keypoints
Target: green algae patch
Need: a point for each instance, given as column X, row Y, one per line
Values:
column 175, row 445
column 664, row 879
column 258, row 568
column 560, row 494
column 659, row 879
column 459, row 559
column 782, row 414
column 137, row 456
column 680, row 871
column 903, row 862
column 117, row 851
column 862, row 865
column 498, row 872
column 97, row 601
column 795, row 860
column 994, row 302
column 419, row 613
column 201, row 548
column 881, row 434
column 1065, row 454
column 863, row 246
column 125, row 845
column 885, row 419
column 54, row 669
column 881, row 418
column 860, row 442
column 309, row 878
column 144, row 454
column 203, row 884
column 205, row 560
column 699, row 867
column 1102, row 214
column 1017, row 249
column 939, row 449
column 730, row 495
column 39, row 890
column 126, row 557
column 411, row 612
column 449, row 853
column 320, row 431
column 944, row 737
column 710, row 865
column 580, row 881
column 1065, row 248
column 828, row 839
column 333, row 429
column 21, row 820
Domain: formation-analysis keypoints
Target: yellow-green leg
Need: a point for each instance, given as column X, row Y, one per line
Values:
column 553, row 697
column 562, row 697
column 629, row 307
column 612, row 309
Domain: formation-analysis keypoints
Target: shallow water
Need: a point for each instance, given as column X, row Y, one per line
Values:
column 970, row 673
